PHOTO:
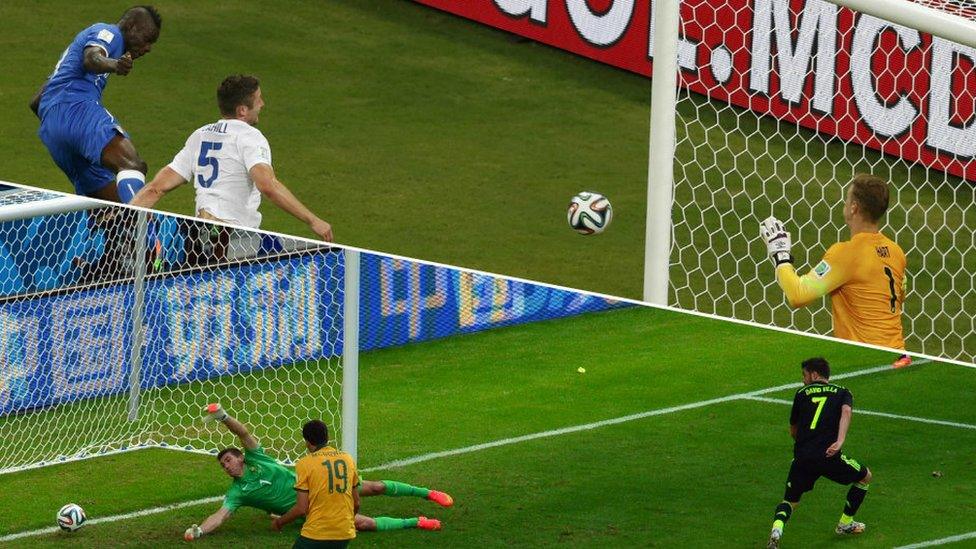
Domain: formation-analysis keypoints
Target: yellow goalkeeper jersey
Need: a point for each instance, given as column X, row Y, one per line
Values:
column 865, row 277
column 330, row 477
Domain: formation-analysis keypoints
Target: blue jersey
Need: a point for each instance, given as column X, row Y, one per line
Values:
column 70, row 82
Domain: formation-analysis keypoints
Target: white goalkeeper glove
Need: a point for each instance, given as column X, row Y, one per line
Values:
column 777, row 240
column 215, row 412
column 192, row 533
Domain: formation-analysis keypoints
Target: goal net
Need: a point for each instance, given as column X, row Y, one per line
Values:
column 781, row 102
column 117, row 327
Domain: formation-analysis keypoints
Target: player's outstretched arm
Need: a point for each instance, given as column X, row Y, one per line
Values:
column 264, row 179
column 209, row 525
column 298, row 510
column 216, row 413
column 165, row 181
column 845, row 423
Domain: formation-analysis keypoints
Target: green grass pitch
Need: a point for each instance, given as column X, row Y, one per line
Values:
column 699, row 477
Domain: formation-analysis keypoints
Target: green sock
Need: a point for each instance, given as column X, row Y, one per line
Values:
column 398, row 489
column 384, row 524
column 846, row 519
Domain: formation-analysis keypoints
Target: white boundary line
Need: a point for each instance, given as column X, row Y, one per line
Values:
column 595, row 425
column 879, row 414
column 116, row 518
column 478, row 447
column 525, row 280
column 942, row 541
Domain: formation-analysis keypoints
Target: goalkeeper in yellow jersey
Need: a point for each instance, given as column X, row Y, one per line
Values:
column 864, row 276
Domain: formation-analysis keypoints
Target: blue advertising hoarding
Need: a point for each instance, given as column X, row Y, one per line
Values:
column 268, row 313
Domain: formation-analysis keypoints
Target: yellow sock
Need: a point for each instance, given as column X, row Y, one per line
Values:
column 845, row 519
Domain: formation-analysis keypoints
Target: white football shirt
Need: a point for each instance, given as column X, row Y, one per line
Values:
column 218, row 159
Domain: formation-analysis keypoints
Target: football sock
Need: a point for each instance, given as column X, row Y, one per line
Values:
column 854, row 498
column 783, row 512
column 128, row 183
column 384, row 524
column 400, row 489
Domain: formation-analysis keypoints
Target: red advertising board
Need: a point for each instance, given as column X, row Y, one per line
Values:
column 810, row 62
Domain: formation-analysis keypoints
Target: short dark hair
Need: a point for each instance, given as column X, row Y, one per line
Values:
column 315, row 432
column 236, row 90
column 151, row 11
column 232, row 451
column 817, row 365
column 871, row 194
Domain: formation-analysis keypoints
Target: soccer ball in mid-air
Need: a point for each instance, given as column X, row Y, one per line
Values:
column 589, row 213
column 71, row 517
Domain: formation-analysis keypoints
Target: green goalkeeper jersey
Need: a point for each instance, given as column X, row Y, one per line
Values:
column 265, row 485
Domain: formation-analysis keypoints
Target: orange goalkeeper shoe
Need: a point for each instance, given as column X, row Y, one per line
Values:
column 425, row 523
column 903, row 360
column 440, row 498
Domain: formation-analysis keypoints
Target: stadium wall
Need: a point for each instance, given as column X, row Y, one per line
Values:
column 63, row 347
column 808, row 62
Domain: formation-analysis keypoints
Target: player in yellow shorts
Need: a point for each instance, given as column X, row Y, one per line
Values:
column 864, row 276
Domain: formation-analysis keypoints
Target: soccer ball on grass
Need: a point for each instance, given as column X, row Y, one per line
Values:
column 71, row 517
column 589, row 213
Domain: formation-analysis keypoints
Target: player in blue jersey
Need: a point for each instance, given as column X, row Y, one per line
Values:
column 84, row 139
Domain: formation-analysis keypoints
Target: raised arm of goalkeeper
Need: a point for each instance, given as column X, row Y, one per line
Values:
column 828, row 275
column 211, row 523
column 216, row 413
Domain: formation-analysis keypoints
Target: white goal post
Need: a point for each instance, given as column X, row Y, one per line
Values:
column 778, row 103
column 22, row 203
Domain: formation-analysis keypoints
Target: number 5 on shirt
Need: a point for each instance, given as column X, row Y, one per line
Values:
column 206, row 160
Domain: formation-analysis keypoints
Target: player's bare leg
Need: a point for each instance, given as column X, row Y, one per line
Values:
column 120, row 156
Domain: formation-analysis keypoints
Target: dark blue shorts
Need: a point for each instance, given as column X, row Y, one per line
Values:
column 76, row 134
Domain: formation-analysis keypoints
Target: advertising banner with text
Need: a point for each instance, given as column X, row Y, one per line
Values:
column 809, row 62
column 235, row 320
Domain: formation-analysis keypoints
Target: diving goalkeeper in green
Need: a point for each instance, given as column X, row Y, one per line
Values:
column 261, row 482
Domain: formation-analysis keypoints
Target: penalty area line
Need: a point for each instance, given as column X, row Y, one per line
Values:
column 941, row 541
column 478, row 447
column 879, row 414
column 607, row 422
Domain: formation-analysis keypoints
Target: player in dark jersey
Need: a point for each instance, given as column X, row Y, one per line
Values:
column 84, row 139
column 818, row 423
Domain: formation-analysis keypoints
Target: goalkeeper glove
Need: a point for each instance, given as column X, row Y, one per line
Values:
column 777, row 240
column 192, row 533
column 215, row 412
